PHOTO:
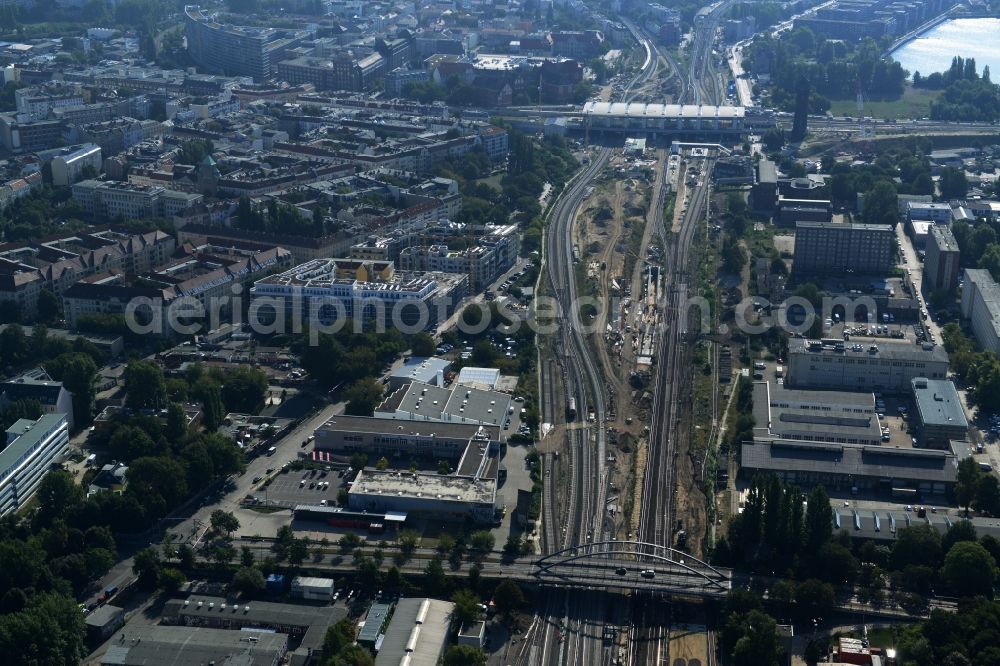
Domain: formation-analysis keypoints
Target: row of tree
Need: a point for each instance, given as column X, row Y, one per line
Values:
column 980, row 370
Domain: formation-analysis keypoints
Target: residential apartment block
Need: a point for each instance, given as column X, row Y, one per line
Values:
column 835, row 247
column 331, row 290
column 30, row 450
column 58, row 262
column 981, row 307
column 111, row 199
column 941, row 262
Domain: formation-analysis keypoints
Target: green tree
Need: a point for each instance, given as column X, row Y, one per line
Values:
column 508, row 597
column 819, row 519
column 953, row 183
column 756, row 639
column 464, row 655
column 967, row 482
column 244, row 390
column 363, row 396
column 177, row 423
column 466, row 609
column 77, row 372
column 49, row 307
column 224, row 521
column 144, row 385
column 408, row 540
column 482, row 541
column 969, row 570
column 916, row 545
column 881, row 204
column 249, row 581
column 435, row 581
column 172, row 579
column 422, row 344
column 338, row 637
column 987, row 498
column 146, row 566
column 298, row 550
column 814, row 599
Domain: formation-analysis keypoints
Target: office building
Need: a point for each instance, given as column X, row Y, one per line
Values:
column 478, row 262
column 815, row 416
column 32, row 447
column 236, row 50
column 940, row 415
column 889, row 471
column 332, row 290
column 20, row 135
column 792, row 211
column 70, row 164
column 146, row 645
column 419, row 369
column 832, row 247
column 417, row 633
column 450, row 498
column 456, row 404
column 927, row 211
column 888, row 366
column 941, row 262
column 981, row 307
column 345, row 435
column 764, row 192
column 343, row 70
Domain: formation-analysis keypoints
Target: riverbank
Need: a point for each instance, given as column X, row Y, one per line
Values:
column 968, row 37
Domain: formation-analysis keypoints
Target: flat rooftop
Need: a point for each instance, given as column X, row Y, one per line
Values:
column 825, row 416
column 879, row 462
column 938, row 402
column 428, row 486
column 343, row 423
column 142, row 645
column 887, row 348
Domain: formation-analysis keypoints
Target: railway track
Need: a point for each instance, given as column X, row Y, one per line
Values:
column 670, row 402
column 572, row 624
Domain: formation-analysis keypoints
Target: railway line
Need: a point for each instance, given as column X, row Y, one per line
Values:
column 572, row 625
column 670, row 407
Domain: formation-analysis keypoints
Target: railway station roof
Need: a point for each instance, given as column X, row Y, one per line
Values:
column 644, row 110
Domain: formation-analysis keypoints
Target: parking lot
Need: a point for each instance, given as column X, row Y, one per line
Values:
column 290, row 488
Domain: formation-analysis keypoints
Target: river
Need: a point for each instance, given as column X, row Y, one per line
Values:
column 932, row 51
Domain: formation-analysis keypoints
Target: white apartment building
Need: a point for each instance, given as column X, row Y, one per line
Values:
column 32, row 447
column 68, row 166
column 981, row 306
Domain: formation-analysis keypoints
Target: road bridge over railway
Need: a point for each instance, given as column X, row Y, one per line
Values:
column 632, row 565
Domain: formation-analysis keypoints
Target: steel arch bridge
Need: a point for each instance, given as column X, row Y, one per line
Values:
column 656, row 557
